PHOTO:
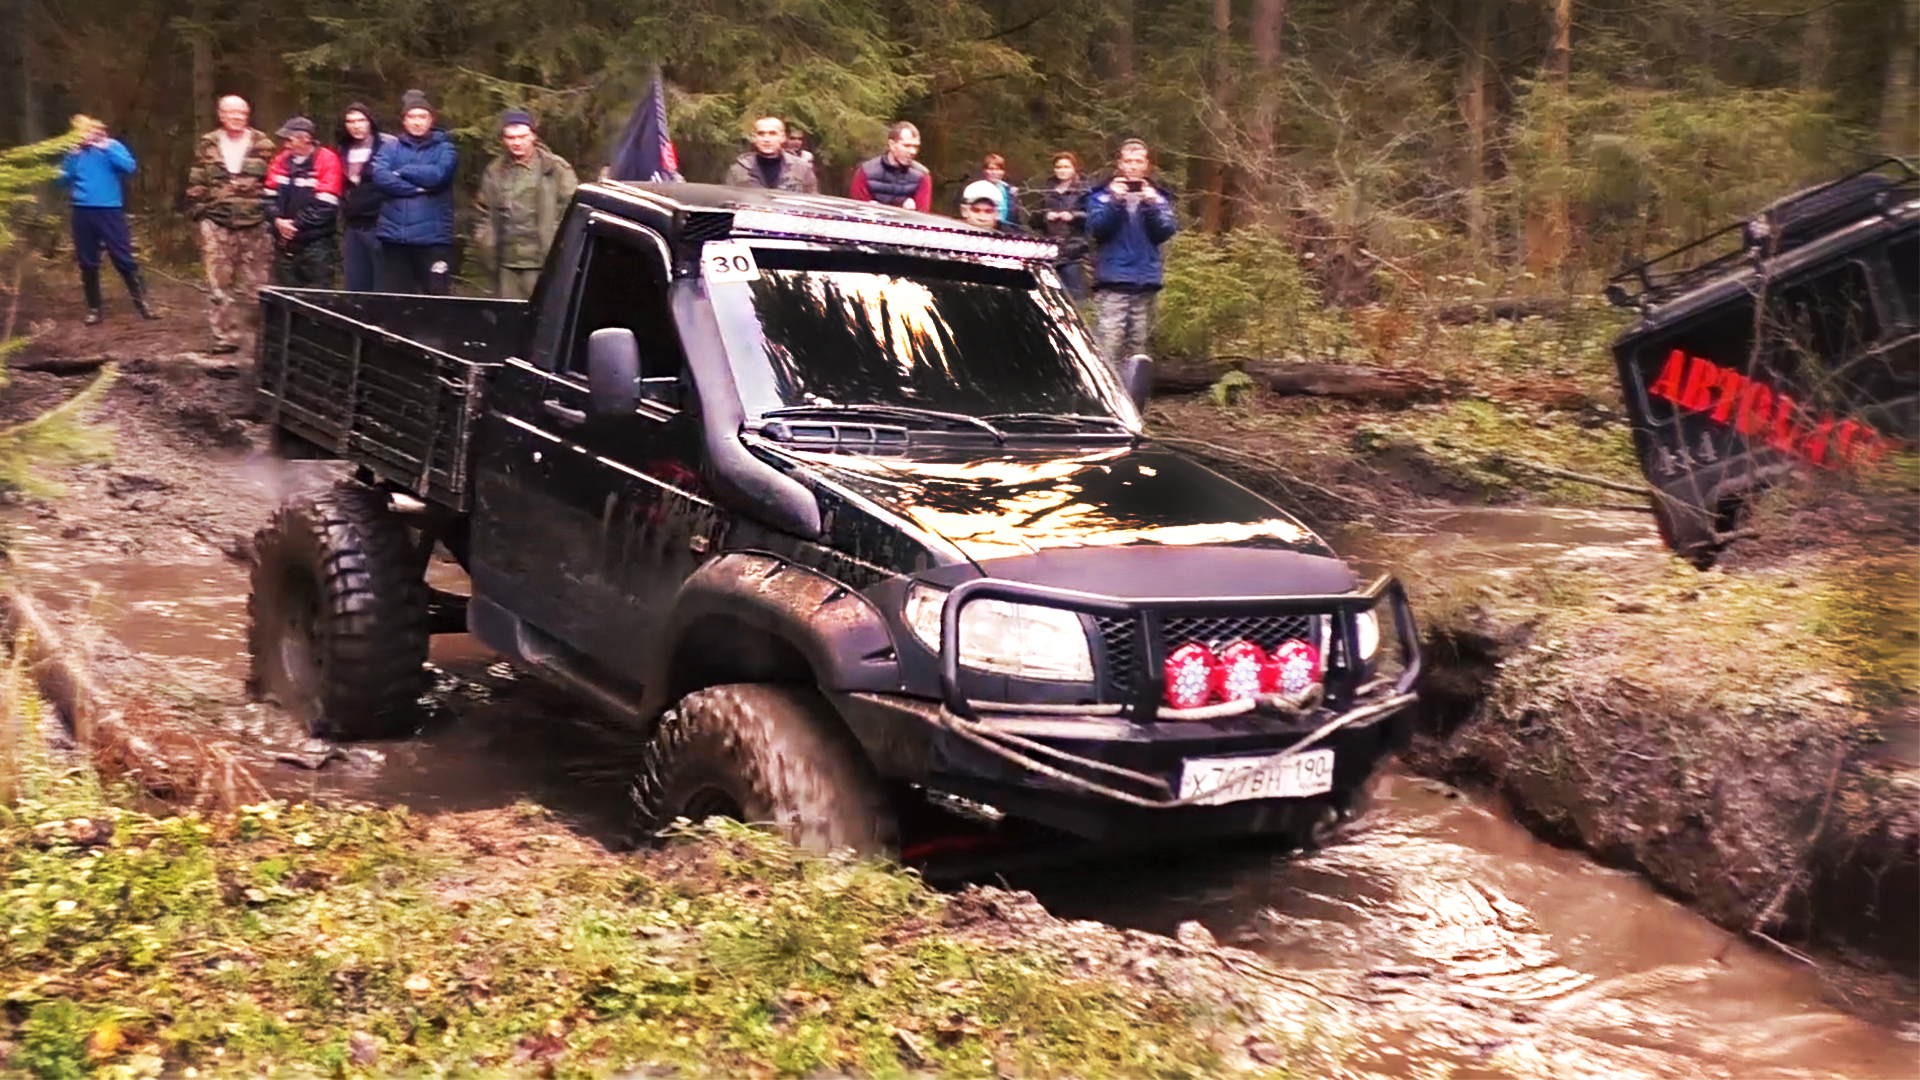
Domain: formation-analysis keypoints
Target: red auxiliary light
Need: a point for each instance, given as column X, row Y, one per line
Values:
column 1239, row 675
column 1295, row 665
column 1189, row 672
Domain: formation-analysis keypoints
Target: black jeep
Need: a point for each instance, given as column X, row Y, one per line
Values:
column 837, row 507
column 1790, row 340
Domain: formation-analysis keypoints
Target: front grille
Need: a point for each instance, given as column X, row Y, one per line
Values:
column 1121, row 637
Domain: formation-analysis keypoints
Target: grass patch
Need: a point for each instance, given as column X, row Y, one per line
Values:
column 294, row 940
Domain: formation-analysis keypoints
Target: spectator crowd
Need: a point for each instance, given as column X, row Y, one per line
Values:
column 380, row 206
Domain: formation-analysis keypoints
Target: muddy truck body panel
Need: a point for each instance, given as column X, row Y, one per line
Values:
column 1795, row 346
column 743, row 439
column 391, row 382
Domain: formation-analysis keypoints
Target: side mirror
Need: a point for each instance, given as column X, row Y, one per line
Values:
column 1136, row 374
column 613, row 372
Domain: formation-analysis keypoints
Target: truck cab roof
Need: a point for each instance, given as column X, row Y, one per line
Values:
column 689, row 215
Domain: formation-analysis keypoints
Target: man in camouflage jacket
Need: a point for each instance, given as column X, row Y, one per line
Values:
column 227, row 195
column 522, row 197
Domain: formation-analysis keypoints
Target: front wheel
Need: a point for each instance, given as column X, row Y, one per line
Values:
column 338, row 616
column 765, row 754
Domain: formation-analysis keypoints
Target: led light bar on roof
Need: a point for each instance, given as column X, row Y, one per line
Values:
column 801, row 226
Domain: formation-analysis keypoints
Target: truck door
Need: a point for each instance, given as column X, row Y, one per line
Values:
column 622, row 515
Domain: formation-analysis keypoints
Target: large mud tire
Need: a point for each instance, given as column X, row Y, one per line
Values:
column 765, row 754
column 337, row 617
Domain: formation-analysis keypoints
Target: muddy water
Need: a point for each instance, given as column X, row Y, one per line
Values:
column 1461, row 931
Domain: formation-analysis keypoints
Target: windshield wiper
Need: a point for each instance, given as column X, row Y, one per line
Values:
column 890, row 410
column 1074, row 419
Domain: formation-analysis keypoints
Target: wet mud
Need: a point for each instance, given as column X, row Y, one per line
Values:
column 1435, row 932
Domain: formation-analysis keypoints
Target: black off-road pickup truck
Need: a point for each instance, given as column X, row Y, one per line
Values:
column 1787, row 341
column 836, row 506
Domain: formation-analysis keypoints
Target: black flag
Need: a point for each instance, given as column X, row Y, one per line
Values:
column 645, row 151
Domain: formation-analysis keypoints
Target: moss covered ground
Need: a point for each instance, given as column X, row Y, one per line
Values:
column 290, row 940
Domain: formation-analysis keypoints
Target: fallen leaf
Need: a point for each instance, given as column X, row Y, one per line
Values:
column 956, row 987
column 363, row 1049
column 916, row 1054
column 105, row 1041
column 418, row 983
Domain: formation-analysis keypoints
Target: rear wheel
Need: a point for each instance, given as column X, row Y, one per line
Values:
column 765, row 754
column 338, row 616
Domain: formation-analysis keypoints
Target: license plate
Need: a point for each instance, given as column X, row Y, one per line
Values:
column 1240, row 778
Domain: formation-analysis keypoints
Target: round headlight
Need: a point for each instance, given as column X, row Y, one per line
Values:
column 1367, row 624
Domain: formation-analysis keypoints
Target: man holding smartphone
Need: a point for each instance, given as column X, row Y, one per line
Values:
column 1128, row 218
column 94, row 174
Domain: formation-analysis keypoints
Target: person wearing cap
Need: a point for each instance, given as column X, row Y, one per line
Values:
column 227, row 196
column 522, row 197
column 93, row 173
column 980, row 205
column 770, row 165
column 357, row 138
column 415, row 173
column 304, row 183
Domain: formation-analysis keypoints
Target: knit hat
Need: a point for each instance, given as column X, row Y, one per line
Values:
column 298, row 124
column 414, row 99
column 515, row 116
column 981, row 191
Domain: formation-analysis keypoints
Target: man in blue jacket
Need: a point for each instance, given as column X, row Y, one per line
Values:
column 93, row 172
column 1128, row 219
column 415, row 173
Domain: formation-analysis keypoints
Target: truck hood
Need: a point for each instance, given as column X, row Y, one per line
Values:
column 996, row 503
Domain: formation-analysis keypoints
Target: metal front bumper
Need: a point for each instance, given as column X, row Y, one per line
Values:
column 1085, row 768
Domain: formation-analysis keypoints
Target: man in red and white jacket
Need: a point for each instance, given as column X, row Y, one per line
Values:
column 303, row 201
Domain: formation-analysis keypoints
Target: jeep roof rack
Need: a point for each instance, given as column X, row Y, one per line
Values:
column 1786, row 223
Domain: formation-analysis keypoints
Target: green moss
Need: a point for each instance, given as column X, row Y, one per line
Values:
column 294, row 940
column 1867, row 613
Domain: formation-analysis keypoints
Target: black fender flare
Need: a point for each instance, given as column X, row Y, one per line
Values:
column 840, row 634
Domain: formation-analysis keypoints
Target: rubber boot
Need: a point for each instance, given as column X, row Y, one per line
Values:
column 90, row 284
column 137, row 291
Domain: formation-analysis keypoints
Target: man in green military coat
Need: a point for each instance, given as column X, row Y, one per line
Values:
column 522, row 197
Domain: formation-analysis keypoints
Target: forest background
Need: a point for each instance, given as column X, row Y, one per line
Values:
column 1325, row 150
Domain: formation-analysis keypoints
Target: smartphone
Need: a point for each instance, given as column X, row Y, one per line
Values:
column 1136, row 185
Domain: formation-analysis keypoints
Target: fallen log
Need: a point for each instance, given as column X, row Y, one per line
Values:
column 158, row 753
column 1355, row 382
column 1506, row 307
column 62, row 365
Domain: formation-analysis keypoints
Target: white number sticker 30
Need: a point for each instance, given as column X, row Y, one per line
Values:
column 728, row 260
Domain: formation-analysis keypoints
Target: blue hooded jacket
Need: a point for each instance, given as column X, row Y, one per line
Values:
column 416, row 175
column 94, row 173
column 1127, row 241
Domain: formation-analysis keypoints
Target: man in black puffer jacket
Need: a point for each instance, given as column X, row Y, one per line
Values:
column 357, row 138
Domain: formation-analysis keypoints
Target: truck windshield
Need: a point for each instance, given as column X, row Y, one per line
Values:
column 857, row 328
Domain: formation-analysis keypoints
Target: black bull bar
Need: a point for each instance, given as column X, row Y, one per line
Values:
column 962, row 717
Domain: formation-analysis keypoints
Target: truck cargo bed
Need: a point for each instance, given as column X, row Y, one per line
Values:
column 390, row 382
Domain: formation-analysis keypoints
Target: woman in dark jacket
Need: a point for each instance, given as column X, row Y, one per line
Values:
column 1064, row 213
column 357, row 140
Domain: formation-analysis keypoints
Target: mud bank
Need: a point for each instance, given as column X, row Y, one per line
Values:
column 1748, row 738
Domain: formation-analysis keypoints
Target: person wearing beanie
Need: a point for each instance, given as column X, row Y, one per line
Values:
column 304, row 184
column 415, row 174
column 227, row 196
column 92, row 174
column 522, row 197
column 355, row 141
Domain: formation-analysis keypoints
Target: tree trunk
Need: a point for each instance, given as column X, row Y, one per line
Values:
column 1269, row 20
column 20, row 62
column 1816, row 45
column 1381, row 386
column 201, row 41
column 1476, row 110
column 1547, row 247
column 1213, row 198
column 1113, row 53
column 1899, row 102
